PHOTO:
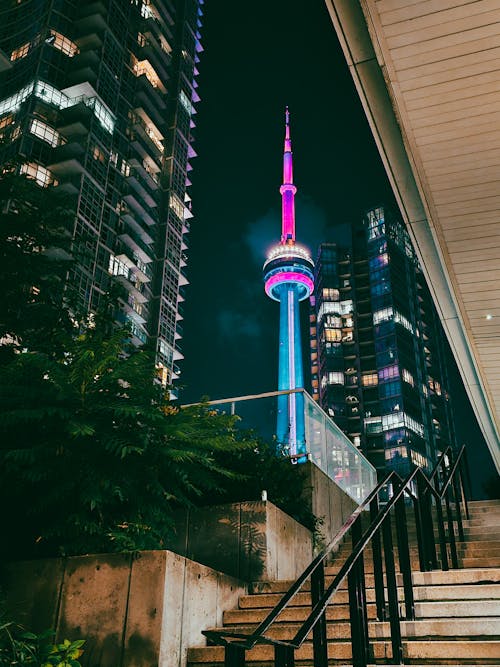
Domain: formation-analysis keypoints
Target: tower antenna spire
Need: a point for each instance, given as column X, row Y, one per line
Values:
column 287, row 189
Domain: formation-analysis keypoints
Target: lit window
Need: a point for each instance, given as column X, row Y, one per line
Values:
column 335, row 377
column 408, row 377
column 401, row 319
column 383, row 315
column 20, row 52
column 395, row 453
column 98, row 154
column 117, row 267
column 332, row 335
column 177, row 206
column 63, row 44
column 389, row 372
column 184, row 99
column 373, row 425
column 40, row 174
column 369, row 379
column 333, row 321
column 346, row 307
column 419, row 460
column 125, row 168
column 44, row 132
column 330, row 294
column 400, row 419
column 141, row 39
column 141, row 67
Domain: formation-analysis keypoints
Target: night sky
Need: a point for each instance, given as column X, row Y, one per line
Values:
column 259, row 57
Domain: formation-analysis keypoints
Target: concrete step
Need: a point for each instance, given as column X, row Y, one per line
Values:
column 435, row 627
column 463, row 576
column 479, row 562
column 482, row 609
column 290, row 614
column 435, row 592
column 457, row 609
column 439, row 651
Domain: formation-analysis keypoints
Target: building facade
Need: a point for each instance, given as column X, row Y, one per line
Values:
column 97, row 98
column 378, row 352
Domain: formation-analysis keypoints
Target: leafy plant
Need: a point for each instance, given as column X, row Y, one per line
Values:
column 19, row 647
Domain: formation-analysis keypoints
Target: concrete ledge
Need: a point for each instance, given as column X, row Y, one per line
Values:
column 133, row 611
column 249, row 540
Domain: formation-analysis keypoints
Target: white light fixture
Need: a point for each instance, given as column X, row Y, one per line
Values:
column 489, row 316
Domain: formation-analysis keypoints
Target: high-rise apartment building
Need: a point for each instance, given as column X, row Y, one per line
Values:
column 97, row 98
column 378, row 356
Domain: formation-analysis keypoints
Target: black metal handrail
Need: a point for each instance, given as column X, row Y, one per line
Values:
column 445, row 483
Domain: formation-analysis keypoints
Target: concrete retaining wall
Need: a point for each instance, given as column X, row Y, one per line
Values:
column 133, row 611
column 326, row 500
column 251, row 540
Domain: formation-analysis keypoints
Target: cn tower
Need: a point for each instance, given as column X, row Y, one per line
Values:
column 288, row 277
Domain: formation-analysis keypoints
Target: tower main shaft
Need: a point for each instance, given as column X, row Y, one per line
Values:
column 288, row 276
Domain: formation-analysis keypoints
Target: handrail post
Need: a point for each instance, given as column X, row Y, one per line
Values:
column 451, row 528
column 442, row 537
column 234, row 655
column 392, row 593
column 456, row 494
column 378, row 573
column 284, row 656
column 465, row 475
column 417, row 510
column 320, row 643
column 404, row 558
column 357, row 605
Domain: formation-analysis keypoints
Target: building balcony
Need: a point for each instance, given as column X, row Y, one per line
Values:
column 150, row 180
column 139, row 184
column 131, row 289
column 133, row 314
column 132, row 266
column 136, row 248
column 145, row 89
column 143, row 211
column 144, row 144
column 92, row 17
column 136, row 228
column 75, row 120
column 67, row 159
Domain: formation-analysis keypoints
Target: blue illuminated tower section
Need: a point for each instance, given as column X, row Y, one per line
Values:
column 288, row 277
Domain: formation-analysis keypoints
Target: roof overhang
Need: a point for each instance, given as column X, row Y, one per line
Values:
column 413, row 66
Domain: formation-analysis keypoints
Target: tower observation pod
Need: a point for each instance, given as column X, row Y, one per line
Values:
column 288, row 278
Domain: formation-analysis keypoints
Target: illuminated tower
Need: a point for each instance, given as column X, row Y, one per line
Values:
column 288, row 277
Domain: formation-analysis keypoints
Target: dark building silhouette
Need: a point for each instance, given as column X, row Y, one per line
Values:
column 97, row 98
column 378, row 352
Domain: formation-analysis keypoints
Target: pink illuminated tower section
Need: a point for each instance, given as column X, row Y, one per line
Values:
column 288, row 277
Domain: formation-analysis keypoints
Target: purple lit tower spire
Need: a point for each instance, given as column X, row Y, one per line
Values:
column 288, row 277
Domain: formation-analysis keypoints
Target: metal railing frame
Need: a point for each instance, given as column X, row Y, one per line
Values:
column 447, row 484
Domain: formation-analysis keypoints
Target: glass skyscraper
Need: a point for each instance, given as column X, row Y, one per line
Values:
column 97, row 98
column 378, row 353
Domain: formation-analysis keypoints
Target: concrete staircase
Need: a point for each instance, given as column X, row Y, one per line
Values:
column 458, row 611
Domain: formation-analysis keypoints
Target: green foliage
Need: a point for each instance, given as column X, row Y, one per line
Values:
column 93, row 457
column 35, row 244
column 18, row 647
